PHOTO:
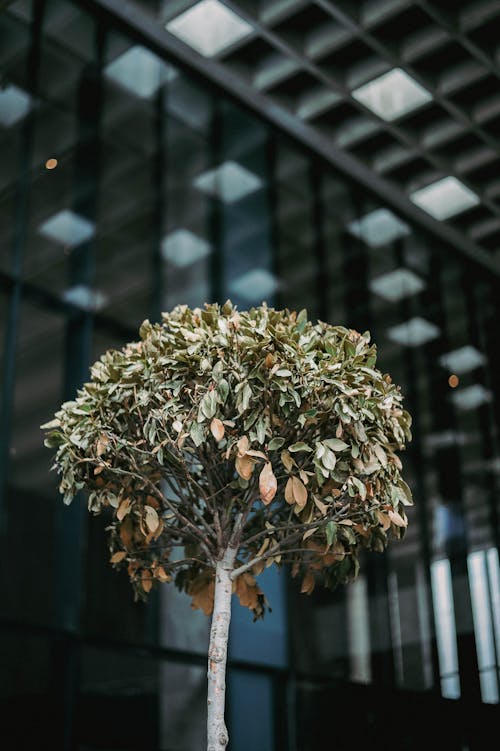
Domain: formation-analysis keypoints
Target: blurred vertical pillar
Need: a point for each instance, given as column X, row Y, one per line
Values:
column 358, row 316
column 70, row 522
column 21, row 223
column 421, row 581
column 450, row 486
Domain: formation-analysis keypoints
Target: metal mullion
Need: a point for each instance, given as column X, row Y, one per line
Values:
column 21, row 223
column 70, row 523
column 273, row 200
column 320, row 252
column 417, row 457
column 456, row 555
column 215, row 220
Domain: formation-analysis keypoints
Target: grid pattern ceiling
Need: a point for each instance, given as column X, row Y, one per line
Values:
column 434, row 112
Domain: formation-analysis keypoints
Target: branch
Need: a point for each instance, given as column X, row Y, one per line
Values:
column 180, row 517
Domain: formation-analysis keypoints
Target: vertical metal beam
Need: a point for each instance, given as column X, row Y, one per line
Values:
column 417, row 458
column 216, row 223
column 450, row 483
column 70, row 523
column 273, row 207
column 359, row 316
column 318, row 219
column 21, row 223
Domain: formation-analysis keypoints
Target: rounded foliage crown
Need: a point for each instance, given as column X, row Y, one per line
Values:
column 255, row 429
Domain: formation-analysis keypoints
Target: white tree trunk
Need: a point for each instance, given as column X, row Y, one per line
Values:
column 217, row 737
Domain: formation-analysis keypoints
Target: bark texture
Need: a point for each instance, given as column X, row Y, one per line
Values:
column 217, row 737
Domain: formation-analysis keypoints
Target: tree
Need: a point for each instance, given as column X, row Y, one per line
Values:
column 244, row 439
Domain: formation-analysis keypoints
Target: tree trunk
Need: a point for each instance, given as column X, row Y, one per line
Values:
column 217, row 737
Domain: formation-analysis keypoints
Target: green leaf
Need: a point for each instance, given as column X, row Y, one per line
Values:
column 331, row 533
column 222, row 390
column 246, row 395
column 197, row 433
column 335, row 444
column 299, row 446
column 407, row 500
column 209, row 404
column 329, row 459
column 260, row 429
column 301, row 321
column 275, row 443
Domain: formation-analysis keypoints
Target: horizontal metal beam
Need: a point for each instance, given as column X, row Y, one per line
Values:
column 132, row 20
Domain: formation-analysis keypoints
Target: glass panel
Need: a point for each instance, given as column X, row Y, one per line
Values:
column 31, row 487
column 251, row 711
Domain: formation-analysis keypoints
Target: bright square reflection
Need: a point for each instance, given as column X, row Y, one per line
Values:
column 182, row 248
column 414, row 332
column 209, row 27
column 445, row 198
column 85, row 298
column 230, row 182
column 139, row 71
column 462, row 360
column 396, row 285
column 14, row 105
column 392, row 95
column 255, row 285
column 68, row 228
column 379, row 227
column 471, row 397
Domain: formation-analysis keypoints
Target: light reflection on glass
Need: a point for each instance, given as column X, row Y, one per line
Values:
column 395, row 620
column 358, row 631
column 494, row 579
column 444, row 616
column 424, row 623
column 483, row 627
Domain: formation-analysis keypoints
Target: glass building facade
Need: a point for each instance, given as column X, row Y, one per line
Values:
column 128, row 185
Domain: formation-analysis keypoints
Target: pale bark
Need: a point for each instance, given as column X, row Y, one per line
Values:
column 217, row 737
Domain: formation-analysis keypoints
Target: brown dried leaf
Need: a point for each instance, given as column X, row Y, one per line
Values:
column 102, row 444
column 247, row 591
column 383, row 519
column 147, row 581
column 269, row 360
column 287, row 460
column 299, row 492
column 303, row 476
column 127, row 532
column 123, row 509
column 161, row 574
column 268, row 484
column 243, row 445
column 244, row 467
column 202, row 592
column 397, row 519
column 217, row 429
column 308, row 583
column 151, row 518
column 118, row 556
column 289, row 497
column 258, row 454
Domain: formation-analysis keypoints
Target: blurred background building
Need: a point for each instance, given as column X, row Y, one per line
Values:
column 339, row 156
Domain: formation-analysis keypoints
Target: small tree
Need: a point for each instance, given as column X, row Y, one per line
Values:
column 243, row 439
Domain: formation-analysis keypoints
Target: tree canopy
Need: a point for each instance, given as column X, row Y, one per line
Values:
column 258, row 429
